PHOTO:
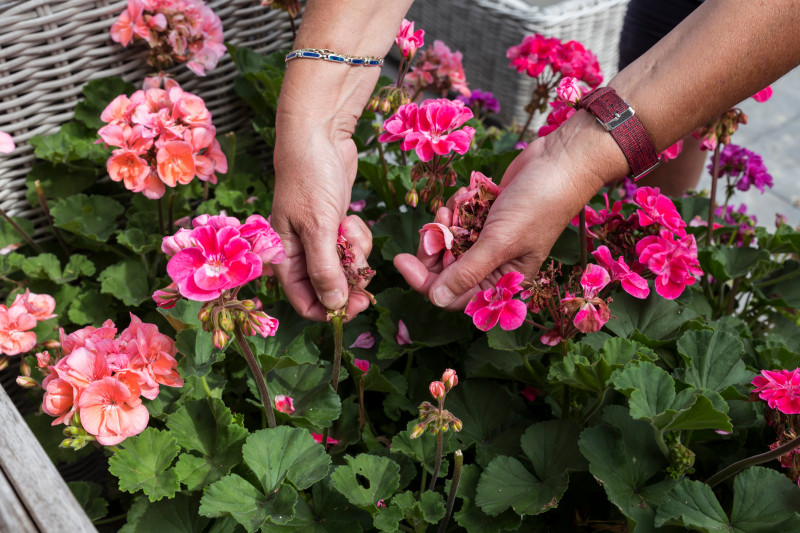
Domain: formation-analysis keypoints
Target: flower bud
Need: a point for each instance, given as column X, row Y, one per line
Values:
column 52, row 344
column 373, row 104
column 450, row 379
column 26, row 382
column 250, row 305
column 262, row 323
column 220, row 339
column 226, row 321
column 25, row 368
column 361, row 364
column 450, row 178
column 412, row 198
column 437, row 390
column 419, row 429
column 43, row 359
column 386, row 106
column 436, row 203
column 284, row 404
column 3, row 362
column 456, row 424
column 204, row 314
column 167, row 297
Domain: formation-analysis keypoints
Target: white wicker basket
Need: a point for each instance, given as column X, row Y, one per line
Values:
column 50, row 48
column 484, row 29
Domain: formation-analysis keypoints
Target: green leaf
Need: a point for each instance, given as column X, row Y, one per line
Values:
column 523, row 340
column 88, row 496
column 9, row 235
column 400, row 231
column 77, row 266
column 713, row 360
column 381, row 476
column 589, row 369
column 126, row 281
column 483, row 361
column 82, row 175
column 483, row 408
column 178, row 515
column 763, row 501
column 423, row 449
column 144, row 463
column 726, row 263
column 235, row 497
column 138, row 241
column 73, row 142
column 198, row 347
column 42, row 266
column 88, row 216
column 97, row 95
column 552, row 448
column 625, row 459
column 656, row 318
column 315, row 402
column 566, row 249
column 90, row 307
column 388, row 519
column 470, row 515
column 206, row 426
column 285, row 453
column 289, row 346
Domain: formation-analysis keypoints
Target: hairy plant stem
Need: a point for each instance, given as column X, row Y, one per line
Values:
column 730, row 470
column 582, row 236
column 439, row 446
column 337, row 364
column 257, row 374
column 43, row 201
column 206, row 388
column 565, row 390
column 21, row 232
column 712, row 204
column 598, row 404
column 458, row 462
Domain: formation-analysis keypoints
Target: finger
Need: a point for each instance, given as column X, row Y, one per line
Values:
column 420, row 278
column 323, row 264
column 358, row 233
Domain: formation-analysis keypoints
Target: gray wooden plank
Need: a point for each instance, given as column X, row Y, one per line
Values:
column 13, row 516
column 34, row 478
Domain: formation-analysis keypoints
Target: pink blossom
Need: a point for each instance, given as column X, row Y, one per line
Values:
column 674, row 262
column 449, row 378
column 658, row 209
column 259, row 322
column 409, row 40
column 536, row 53
column 672, row 152
column 403, row 337
column 491, row 306
column 568, row 90
column 318, row 439
column 358, row 205
column 41, row 306
column 364, row 340
column 529, row 393
column 780, row 389
column 284, row 404
column 6, row 143
column 380, row 503
column 436, row 237
column 437, row 389
column 592, row 311
column 173, row 244
column 15, row 325
column 632, row 283
column 106, row 412
column 552, row 337
column 152, row 355
column 439, row 69
column 361, row 364
column 82, row 367
column 558, row 115
column 763, row 95
column 265, row 241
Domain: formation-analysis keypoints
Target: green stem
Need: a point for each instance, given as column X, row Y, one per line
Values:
column 160, row 209
column 206, row 388
column 790, row 275
column 711, row 205
column 409, row 362
column 232, row 156
column 424, row 479
column 598, row 404
column 458, row 462
column 21, row 232
column 170, row 211
column 532, row 372
column 565, row 390
column 337, row 364
column 661, row 444
column 257, row 374
column 730, row 470
column 732, row 296
column 109, row 520
column 439, row 445
column 43, row 202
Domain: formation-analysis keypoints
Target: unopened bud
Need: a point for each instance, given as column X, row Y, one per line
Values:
column 386, row 105
column 419, row 429
column 373, row 104
column 250, row 305
column 26, row 382
column 412, row 198
column 204, row 314
column 437, row 389
column 436, row 203
column 3, row 362
column 52, row 344
column 226, row 320
column 220, row 339
column 66, row 443
column 450, row 178
column 450, row 379
column 24, row 368
column 43, row 359
column 456, row 424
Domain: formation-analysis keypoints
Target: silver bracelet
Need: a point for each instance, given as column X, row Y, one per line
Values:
column 330, row 55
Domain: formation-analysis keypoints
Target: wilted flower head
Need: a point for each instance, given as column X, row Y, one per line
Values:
column 364, row 340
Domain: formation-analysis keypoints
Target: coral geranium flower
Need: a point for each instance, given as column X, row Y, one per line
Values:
column 15, row 323
column 175, row 163
column 106, row 413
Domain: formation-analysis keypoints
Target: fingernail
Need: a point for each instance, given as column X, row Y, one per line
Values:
column 332, row 299
column 442, row 296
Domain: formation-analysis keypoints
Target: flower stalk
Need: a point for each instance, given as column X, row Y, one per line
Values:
column 257, row 374
column 21, row 232
column 730, row 470
column 336, row 320
column 458, row 463
column 713, row 199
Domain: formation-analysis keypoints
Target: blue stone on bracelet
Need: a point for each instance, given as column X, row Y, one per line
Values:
column 311, row 54
column 292, row 55
column 355, row 61
column 336, row 58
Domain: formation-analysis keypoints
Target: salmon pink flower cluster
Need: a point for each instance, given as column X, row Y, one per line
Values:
column 537, row 54
column 18, row 319
column 98, row 383
column 176, row 31
column 163, row 137
column 438, row 69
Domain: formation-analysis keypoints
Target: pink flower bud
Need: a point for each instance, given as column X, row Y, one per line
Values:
column 419, row 429
column 361, row 364
column 529, row 393
column 264, row 325
column 25, row 369
column 220, row 339
column 437, row 389
column 26, row 382
column 3, row 362
column 226, row 320
column 403, row 337
column 52, row 344
column 381, row 503
column 450, row 379
column 284, row 404
column 568, row 90
column 167, row 297
column 43, row 359
column 412, row 198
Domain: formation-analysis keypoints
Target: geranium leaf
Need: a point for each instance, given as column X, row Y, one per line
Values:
column 388, row 519
column 401, row 231
column 88, row 216
column 315, row 402
column 235, row 497
column 381, row 476
column 90, row 307
column 590, row 369
column 73, row 142
column 289, row 346
column 552, row 448
column 50, row 175
column 713, row 360
column 138, row 241
column 198, row 348
column 483, row 361
column 283, row 453
column 126, row 281
column 655, row 317
column 626, row 461
column 42, row 266
column 423, row 449
column 523, row 340
column 470, row 516
column 483, row 408
column 144, row 462
column 726, row 262
column 763, row 501
column 88, row 495
column 9, row 235
column 97, row 95
column 78, row 265
column 177, row 515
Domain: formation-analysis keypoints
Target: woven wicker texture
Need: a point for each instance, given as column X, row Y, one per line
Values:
column 50, row 48
column 484, row 29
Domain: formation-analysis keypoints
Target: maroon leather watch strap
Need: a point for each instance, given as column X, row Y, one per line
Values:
column 619, row 119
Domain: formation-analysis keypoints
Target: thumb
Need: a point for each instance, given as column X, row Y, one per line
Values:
column 324, row 267
column 468, row 272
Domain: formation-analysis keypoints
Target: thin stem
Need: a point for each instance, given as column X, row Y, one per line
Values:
column 257, row 374
column 43, row 201
column 337, row 364
column 206, row 388
column 582, row 236
column 458, row 462
column 160, row 210
column 712, row 204
column 598, row 404
column 424, row 479
column 730, row 470
column 527, row 123
column 294, row 27
column 439, row 446
column 361, row 416
column 170, row 209
column 535, row 324
column 109, row 520
column 232, row 156
column 732, row 295
column 21, row 232
column 790, row 275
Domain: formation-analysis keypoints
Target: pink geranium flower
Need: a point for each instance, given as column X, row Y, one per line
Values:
column 491, row 306
column 674, row 262
column 409, row 40
column 364, row 340
column 558, row 115
column 780, row 389
column 284, row 404
column 6, row 143
column 672, row 152
column 763, row 95
column 439, row 69
column 658, row 209
column 569, row 91
column 632, row 283
column 15, row 325
column 592, row 311
column 403, row 337
column 41, row 306
column 361, row 364
column 105, row 412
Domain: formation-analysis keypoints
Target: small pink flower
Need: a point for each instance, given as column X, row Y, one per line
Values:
column 560, row 113
column 15, row 326
column 381, row 503
column 780, row 389
column 674, row 262
column 403, row 336
column 41, row 306
column 763, row 95
column 491, row 306
column 568, row 90
column 59, row 400
column 284, row 404
column 358, row 205
column 672, row 152
column 529, row 393
column 437, row 390
column 6, row 143
column 449, row 378
column 129, row 168
column 658, row 209
column 364, row 340
column 592, row 311
column 106, row 412
column 632, row 283
column 318, row 439
column 435, row 238
column 408, row 40
column 361, row 364
column 175, row 163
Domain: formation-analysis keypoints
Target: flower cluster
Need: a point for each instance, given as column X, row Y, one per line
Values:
column 780, row 389
column 480, row 102
column 438, row 419
column 96, row 387
column 438, row 69
column 743, row 168
column 176, row 31
column 720, row 130
column 491, row 306
column 536, row 53
column 470, row 209
column 163, row 137
column 18, row 319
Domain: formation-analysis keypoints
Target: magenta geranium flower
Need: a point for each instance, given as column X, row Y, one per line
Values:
column 780, row 389
column 409, row 40
column 632, row 283
column 658, row 209
column 592, row 311
column 674, row 262
column 491, row 306
column 746, row 168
